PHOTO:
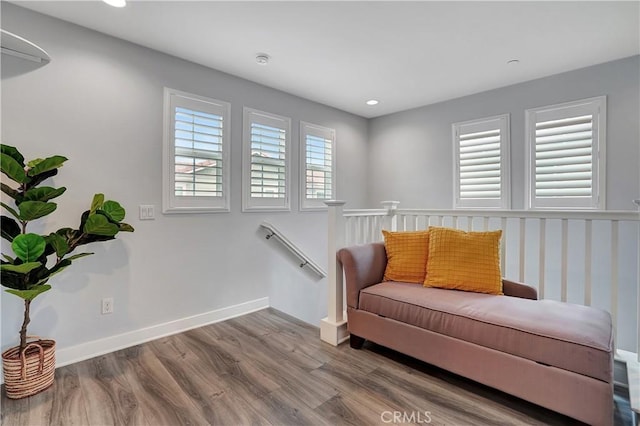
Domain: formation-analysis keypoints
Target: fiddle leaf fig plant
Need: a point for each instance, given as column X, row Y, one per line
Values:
column 36, row 258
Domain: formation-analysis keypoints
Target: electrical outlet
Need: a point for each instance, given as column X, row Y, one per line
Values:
column 107, row 305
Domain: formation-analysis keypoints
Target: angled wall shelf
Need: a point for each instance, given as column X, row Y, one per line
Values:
column 306, row 260
column 19, row 47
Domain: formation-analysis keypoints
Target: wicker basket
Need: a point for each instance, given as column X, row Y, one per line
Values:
column 30, row 372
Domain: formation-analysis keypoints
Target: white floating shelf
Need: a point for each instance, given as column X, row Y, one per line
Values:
column 19, row 47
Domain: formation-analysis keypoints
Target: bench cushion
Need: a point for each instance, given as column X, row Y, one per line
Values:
column 570, row 337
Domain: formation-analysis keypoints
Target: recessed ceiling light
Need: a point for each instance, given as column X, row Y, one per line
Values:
column 116, row 3
column 513, row 62
column 372, row 102
column 262, row 58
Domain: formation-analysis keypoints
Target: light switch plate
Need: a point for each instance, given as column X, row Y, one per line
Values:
column 147, row 212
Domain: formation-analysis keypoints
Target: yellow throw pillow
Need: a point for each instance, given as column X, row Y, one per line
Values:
column 468, row 261
column 406, row 255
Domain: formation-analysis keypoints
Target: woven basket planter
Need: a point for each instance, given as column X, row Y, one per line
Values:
column 30, row 372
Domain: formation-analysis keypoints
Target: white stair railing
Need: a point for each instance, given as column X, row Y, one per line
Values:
column 568, row 255
column 574, row 256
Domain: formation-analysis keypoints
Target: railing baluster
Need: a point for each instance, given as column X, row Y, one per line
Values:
column 456, row 222
column 587, row 262
column 345, row 232
column 400, row 224
column 522, row 249
column 563, row 260
column 469, row 223
column 541, row 257
column 485, row 223
column 614, row 274
column 503, row 249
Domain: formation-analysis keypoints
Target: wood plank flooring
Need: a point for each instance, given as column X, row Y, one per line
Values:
column 267, row 368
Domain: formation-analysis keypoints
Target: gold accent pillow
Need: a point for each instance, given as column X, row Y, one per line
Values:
column 468, row 261
column 407, row 254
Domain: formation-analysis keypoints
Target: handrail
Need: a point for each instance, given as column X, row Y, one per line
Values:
column 626, row 215
column 306, row 260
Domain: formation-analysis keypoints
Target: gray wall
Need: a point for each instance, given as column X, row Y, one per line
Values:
column 99, row 102
column 412, row 155
column 411, row 160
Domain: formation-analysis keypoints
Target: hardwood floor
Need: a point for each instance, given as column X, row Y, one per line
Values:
column 268, row 368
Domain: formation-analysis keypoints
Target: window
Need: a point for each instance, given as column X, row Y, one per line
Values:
column 196, row 154
column 481, row 176
column 266, row 141
column 566, row 155
column 317, row 164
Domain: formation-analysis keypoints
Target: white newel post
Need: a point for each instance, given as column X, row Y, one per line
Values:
column 333, row 328
column 637, row 203
column 391, row 222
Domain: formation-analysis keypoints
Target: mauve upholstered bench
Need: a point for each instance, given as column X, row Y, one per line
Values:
column 557, row 355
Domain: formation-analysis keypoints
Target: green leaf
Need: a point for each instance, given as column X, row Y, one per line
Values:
column 13, row 193
column 125, row 227
column 113, row 210
column 10, row 228
column 96, row 203
column 30, row 294
column 28, row 247
column 31, row 164
column 44, row 193
column 10, row 210
column 23, row 268
column 58, row 243
column 8, row 258
column 100, row 225
column 46, row 165
column 10, row 167
column 59, row 267
column 12, row 152
column 36, row 180
column 90, row 238
column 13, row 280
column 30, row 210
column 78, row 256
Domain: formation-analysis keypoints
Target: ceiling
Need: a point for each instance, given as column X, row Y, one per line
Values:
column 405, row 54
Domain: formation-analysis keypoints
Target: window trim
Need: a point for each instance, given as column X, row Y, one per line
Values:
column 596, row 106
column 170, row 203
column 249, row 203
column 315, row 204
column 505, row 165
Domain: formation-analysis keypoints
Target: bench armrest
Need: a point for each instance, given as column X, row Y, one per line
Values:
column 364, row 266
column 516, row 289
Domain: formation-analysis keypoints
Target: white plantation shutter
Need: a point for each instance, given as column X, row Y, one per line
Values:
column 317, row 161
column 198, row 153
column 196, row 167
column 266, row 161
column 481, row 163
column 566, row 151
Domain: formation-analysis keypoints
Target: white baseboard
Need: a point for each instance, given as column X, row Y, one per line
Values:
column 99, row 347
column 94, row 348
